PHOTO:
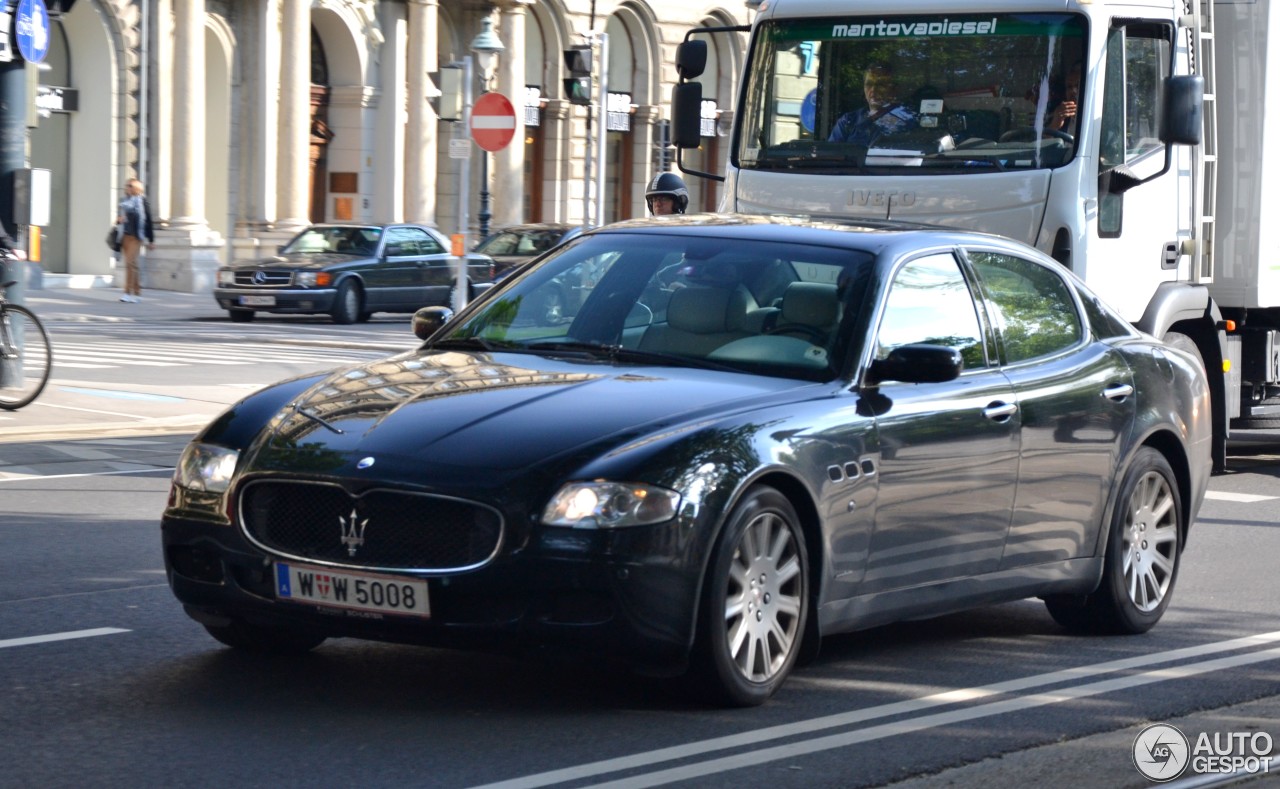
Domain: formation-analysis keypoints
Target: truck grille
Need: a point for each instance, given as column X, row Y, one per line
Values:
column 264, row 279
column 380, row 528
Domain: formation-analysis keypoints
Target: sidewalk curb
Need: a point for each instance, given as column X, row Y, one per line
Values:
column 146, row 427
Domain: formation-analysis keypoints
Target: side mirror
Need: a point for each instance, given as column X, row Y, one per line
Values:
column 1182, row 120
column 917, row 364
column 686, row 114
column 429, row 320
column 691, row 58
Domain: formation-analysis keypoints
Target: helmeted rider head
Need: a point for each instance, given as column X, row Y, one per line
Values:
column 667, row 195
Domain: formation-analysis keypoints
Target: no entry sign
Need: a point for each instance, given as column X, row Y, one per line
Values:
column 493, row 122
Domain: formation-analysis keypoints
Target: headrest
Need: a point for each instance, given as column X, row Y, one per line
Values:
column 699, row 310
column 810, row 304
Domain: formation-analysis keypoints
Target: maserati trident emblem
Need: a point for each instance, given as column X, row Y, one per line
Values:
column 352, row 531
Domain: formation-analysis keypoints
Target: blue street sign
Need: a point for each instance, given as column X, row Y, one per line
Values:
column 31, row 29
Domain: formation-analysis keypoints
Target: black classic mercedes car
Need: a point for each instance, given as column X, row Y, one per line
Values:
column 735, row 436
column 349, row 272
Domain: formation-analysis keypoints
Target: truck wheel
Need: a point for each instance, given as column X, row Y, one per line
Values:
column 241, row 316
column 1142, row 557
column 346, row 304
column 1184, row 343
column 753, row 610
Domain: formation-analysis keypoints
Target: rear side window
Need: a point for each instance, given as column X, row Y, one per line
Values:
column 1032, row 306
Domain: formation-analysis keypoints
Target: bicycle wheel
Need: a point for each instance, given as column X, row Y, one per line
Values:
column 25, row 357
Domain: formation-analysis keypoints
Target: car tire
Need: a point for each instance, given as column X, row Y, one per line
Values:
column 346, row 303
column 264, row 640
column 1143, row 554
column 241, row 316
column 755, row 604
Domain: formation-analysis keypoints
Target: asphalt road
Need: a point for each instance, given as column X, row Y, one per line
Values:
column 105, row 682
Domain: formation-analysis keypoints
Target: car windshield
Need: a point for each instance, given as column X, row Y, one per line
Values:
column 345, row 240
column 693, row 300
column 916, row 94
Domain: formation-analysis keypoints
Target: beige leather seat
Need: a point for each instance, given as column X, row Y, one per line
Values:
column 810, row 311
column 699, row 320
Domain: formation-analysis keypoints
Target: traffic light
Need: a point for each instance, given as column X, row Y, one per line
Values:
column 577, row 63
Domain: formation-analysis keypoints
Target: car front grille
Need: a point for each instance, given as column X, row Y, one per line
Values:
column 379, row 528
column 264, row 279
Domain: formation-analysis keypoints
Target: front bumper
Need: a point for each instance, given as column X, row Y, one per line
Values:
column 573, row 592
column 284, row 300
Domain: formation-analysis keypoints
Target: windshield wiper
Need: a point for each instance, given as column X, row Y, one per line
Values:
column 621, row 354
column 853, row 161
column 473, row 343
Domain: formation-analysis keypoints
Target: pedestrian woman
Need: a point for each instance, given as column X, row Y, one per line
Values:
column 135, row 226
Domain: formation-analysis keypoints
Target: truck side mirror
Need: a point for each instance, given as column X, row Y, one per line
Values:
column 1183, row 116
column 686, row 114
column 691, row 58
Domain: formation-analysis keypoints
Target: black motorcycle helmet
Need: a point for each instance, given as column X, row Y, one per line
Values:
column 668, row 184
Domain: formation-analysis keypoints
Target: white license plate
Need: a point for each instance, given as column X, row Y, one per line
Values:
column 257, row 301
column 321, row 586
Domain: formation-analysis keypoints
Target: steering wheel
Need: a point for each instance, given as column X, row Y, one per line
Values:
column 813, row 334
column 1028, row 134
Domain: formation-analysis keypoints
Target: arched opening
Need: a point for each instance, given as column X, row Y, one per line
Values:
column 321, row 133
column 619, row 146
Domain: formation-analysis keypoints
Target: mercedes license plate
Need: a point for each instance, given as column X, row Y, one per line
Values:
column 326, row 587
column 257, row 301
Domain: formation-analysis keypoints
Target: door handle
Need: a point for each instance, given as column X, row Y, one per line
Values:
column 1117, row 392
column 1000, row 412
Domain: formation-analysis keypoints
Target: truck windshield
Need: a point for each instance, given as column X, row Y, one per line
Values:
column 918, row 94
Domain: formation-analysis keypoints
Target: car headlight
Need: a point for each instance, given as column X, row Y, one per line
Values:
column 206, row 468
column 226, row 277
column 313, row 279
column 610, row 505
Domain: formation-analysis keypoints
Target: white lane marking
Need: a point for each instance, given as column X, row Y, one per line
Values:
column 8, row 477
column 1243, row 498
column 938, row 719
column 755, row 738
column 67, row 636
column 77, row 360
column 85, row 410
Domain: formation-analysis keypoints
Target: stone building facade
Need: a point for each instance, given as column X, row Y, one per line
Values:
column 249, row 119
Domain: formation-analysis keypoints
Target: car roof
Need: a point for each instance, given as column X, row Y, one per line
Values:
column 868, row 234
column 535, row 227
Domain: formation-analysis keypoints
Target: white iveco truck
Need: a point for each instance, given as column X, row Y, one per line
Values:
column 1155, row 192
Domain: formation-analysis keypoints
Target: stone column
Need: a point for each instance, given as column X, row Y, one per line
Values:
column 644, row 136
column 259, row 130
column 557, row 199
column 508, row 164
column 420, row 134
column 295, row 115
column 187, row 203
column 186, row 253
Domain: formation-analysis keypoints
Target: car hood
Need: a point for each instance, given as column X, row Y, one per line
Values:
column 309, row 260
column 492, row 411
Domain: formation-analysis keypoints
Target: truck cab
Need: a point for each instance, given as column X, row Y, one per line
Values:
column 1077, row 127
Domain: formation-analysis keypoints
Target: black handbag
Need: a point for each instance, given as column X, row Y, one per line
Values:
column 114, row 237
